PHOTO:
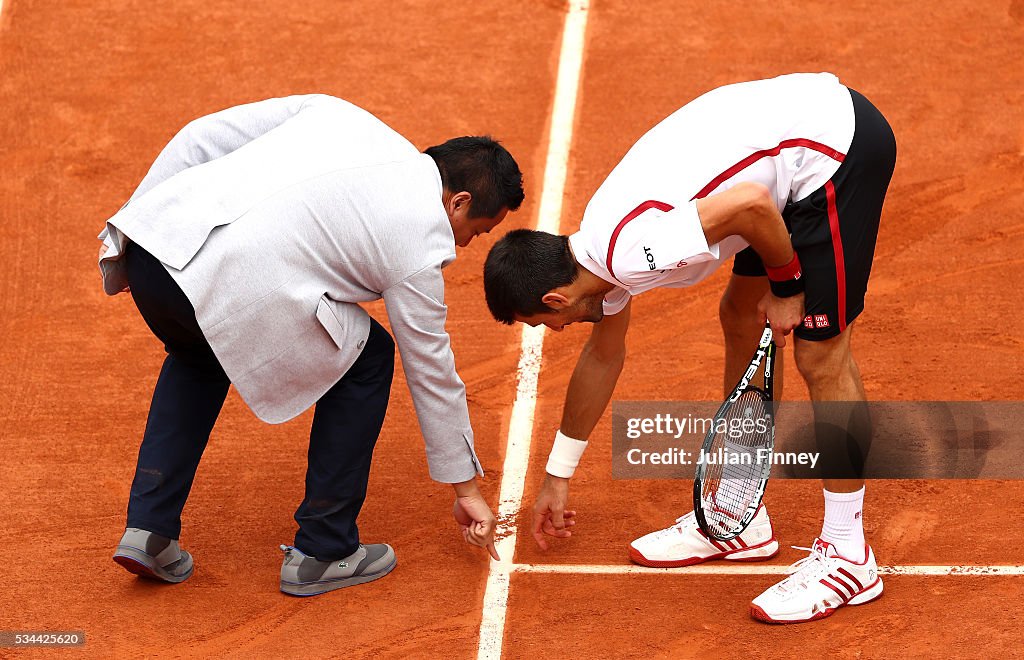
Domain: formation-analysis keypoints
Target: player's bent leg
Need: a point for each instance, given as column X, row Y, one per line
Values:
column 841, row 416
column 841, row 568
column 829, row 369
column 685, row 544
column 742, row 327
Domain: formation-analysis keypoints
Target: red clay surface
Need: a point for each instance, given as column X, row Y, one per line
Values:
column 645, row 616
column 91, row 92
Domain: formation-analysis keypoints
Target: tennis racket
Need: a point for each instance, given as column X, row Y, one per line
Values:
column 735, row 460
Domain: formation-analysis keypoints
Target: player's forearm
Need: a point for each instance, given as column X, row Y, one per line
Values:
column 466, row 488
column 748, row 211
column 762, row 226
column 590, row 390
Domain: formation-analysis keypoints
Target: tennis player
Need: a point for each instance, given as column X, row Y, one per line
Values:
column 786, row 177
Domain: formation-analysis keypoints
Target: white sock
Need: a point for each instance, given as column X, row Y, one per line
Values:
column 843, row 526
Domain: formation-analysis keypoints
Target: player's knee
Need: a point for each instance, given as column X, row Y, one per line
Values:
column 737, row 320
column 822, row 361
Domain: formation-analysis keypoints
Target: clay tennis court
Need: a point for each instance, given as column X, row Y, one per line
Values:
column 91, row 91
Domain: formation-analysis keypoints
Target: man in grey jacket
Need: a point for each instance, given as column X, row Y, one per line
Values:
column 247, row 248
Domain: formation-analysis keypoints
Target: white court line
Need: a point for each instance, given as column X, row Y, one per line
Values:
column 764, row 569
column 520, row 430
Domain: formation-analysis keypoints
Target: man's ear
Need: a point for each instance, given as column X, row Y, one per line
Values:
column 458, row 204
column 555, row 299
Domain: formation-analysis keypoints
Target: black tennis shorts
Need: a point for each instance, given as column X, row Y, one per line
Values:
column 834, row 229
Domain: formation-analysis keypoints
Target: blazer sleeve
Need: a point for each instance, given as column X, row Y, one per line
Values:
column 210, row 137
column 417, row 314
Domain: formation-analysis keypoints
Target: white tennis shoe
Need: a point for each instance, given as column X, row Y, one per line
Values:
column 685, row 544
column 818, row 585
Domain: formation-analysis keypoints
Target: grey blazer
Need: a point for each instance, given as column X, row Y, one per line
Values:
column 276, row 219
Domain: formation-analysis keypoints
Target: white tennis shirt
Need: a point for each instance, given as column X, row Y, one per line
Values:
column 641, row 229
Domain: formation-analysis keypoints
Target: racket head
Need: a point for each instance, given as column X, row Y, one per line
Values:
column 728, row 491
column 732, row 473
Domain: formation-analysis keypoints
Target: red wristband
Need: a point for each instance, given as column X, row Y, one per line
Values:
column 790, row 271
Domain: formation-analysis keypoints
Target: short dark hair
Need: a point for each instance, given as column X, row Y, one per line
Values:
column 482, row 167
column 521, row 268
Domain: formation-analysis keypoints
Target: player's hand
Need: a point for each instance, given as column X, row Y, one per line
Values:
column 549, row 513
column 783, row 313
column 476, row 522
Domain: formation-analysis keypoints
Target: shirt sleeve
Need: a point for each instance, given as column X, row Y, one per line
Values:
column 218, row 134
column 615, row 301
column 417, row 313
column 657, row 241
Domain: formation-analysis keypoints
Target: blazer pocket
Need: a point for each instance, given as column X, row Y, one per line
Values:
column 347, row 324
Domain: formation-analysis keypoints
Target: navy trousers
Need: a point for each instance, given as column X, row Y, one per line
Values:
column 188, row 398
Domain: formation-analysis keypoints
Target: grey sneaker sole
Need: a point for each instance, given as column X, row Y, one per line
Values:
column 136, row 561
column 323, row 586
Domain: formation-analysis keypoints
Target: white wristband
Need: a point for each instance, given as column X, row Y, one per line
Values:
column 565, row 455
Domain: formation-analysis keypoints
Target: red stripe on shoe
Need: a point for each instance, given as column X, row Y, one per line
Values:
column 632, row 215
column 758, row 155
column 838, row 580
column 838, row 593
column 741, row 543
column 715, row 542
column 837, row 248
column 860, row 587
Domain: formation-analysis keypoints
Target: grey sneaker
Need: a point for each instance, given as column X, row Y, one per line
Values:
column 302, row 575
column 153, row 556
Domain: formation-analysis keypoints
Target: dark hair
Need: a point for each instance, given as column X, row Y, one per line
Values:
column 521, row 268
column 484, row 169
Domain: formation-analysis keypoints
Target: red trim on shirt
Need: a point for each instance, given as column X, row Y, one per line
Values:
column 758, row 155
column 644, row 206
column 717, row 181
column 837, row 248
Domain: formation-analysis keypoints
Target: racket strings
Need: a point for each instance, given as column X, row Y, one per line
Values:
column 735, row 469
